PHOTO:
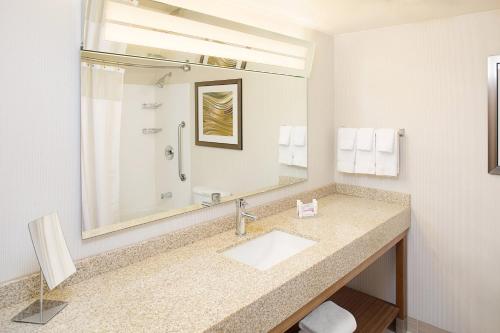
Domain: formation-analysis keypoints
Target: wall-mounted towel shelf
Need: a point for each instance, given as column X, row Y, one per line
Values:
column 151, row 106
column 151, row 130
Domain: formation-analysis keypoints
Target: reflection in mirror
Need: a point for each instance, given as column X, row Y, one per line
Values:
column 154, row 29
column 159, row 139
column 493, row 115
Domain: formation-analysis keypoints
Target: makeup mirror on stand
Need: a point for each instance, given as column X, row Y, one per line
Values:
column 56, row 266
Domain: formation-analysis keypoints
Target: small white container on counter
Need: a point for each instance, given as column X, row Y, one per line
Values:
column 308, row 209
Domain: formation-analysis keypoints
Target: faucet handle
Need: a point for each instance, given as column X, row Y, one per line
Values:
column 242, row 203
column 249, row 216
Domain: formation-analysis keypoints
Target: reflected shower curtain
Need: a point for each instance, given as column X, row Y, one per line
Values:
column 94, row 30
column 101, row 108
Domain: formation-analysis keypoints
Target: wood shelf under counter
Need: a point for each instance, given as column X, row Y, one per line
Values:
column 372, row 314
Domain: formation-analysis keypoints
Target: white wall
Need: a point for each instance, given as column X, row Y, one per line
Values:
column 431, row 78
column 40, row 133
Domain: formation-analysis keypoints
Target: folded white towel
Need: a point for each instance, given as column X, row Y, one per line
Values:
column 365, row 151
column 329, row 318
column 285, row 132
column 387, row 163
column 346, row 152
column 384, row 139
column 299, row 136
column 365, row 138
column 347, row 138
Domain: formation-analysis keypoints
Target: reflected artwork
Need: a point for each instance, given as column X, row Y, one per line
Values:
column 219, row 114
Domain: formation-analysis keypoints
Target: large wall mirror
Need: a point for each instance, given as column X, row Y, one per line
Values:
column 160, row 138
column 493, row 118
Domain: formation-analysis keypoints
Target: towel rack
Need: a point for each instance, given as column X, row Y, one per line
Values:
column 401, row 132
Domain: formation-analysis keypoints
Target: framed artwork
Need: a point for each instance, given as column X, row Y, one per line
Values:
column 218, row 114
column 493, row 115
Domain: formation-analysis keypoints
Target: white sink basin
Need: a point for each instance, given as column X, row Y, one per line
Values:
column 269, row 249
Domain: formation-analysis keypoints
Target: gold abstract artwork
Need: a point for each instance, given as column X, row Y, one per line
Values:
column 222, row 62
column 218, row 113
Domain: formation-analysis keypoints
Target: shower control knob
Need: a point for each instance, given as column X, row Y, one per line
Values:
column 169, row 152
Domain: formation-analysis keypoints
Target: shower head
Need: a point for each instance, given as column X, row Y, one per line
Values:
column 161, row 81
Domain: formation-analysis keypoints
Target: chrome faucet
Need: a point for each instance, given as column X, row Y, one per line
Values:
column 241, row 216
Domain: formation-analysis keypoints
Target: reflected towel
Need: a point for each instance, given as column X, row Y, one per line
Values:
column 299, row 136
column 285, row 155
column 299, row 146
column 300, row 156
column 329, row 318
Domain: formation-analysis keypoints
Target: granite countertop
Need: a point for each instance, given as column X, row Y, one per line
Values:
column 195, row 288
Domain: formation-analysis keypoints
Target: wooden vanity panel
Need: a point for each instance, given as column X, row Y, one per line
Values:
column 401, row 277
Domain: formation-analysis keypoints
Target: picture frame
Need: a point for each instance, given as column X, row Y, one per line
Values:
column 219, row 114
column 493, row 111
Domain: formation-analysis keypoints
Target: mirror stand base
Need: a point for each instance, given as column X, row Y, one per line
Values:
column 36, row 314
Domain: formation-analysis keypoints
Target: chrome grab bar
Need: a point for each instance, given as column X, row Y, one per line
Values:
column 182, row 124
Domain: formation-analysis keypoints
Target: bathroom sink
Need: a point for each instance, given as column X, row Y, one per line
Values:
column 269, row 249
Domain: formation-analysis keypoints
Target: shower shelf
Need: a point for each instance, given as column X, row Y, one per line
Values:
column 151, row 130
column 151, row 106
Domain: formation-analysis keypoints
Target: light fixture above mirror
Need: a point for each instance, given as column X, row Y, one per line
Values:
column 152, row 29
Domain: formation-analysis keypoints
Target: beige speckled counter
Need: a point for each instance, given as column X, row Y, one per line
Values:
column 195, row 288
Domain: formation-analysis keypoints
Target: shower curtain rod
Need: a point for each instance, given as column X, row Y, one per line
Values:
column 185, row 67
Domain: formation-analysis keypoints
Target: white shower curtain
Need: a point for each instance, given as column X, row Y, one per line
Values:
column 101, row 107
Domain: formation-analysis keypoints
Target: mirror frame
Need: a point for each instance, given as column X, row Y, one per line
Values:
column 493, row 145
column 161, row 216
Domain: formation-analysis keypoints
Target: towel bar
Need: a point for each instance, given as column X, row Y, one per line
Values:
column 401, row 131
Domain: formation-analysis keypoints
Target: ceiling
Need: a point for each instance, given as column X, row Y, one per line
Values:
column 338, row 16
